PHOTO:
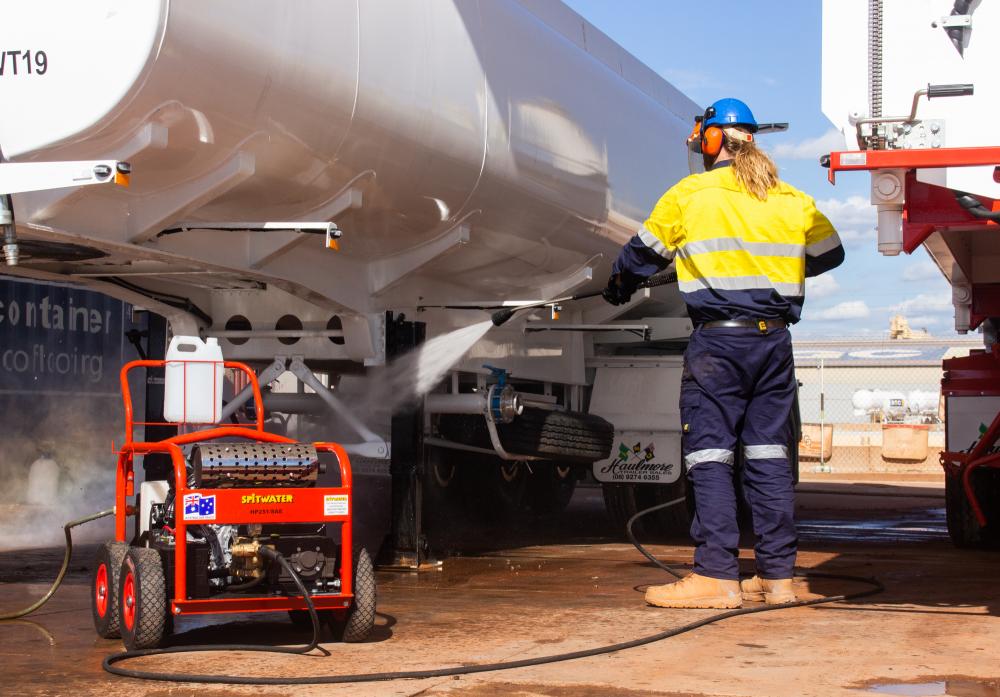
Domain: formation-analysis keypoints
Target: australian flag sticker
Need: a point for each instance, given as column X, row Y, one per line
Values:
column 198, row 507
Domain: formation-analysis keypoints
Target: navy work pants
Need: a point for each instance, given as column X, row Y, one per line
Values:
column 738, row 390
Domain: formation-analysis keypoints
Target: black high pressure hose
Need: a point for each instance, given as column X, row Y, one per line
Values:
column 109, row 664
column 67, row 530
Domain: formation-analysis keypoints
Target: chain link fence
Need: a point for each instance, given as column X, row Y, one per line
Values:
column 873, row 405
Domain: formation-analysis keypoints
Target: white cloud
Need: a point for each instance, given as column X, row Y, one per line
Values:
column 822, row 286
column 852, row 309
column 855, row 238
column 854, row 210
column 687, row 80
column 925, row 302
column 853, row 217
column 811, row 148
column 921, row 271
column 922, row 321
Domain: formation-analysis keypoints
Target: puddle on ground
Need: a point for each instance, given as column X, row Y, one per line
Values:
column 938, row 688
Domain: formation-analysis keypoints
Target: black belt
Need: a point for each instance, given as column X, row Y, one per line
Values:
column 761, row 325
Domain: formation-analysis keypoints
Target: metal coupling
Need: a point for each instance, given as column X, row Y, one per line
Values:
column 505, row 403
column 11, row 252
column 247, row 559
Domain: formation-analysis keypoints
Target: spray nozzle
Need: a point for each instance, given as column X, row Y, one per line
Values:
column 501, row 316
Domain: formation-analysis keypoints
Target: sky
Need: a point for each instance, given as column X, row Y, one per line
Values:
column 771, row 60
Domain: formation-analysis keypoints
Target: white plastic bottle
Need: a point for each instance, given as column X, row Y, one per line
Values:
column 193, row 381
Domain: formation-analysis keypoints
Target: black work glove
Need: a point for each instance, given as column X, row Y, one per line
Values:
column 620, row 288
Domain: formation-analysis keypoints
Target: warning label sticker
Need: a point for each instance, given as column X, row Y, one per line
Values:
column 335, row 504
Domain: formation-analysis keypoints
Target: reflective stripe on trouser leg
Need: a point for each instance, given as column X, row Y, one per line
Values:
column 726, row 457
column 762, row 452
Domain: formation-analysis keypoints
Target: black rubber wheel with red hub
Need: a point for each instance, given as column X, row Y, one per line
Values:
column 104, row 589
column 357, row 625
column 142, row 599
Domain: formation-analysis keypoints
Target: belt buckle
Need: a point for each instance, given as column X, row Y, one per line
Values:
column 762, row 326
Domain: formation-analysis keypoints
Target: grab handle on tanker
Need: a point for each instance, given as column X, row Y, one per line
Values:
column 963, row 90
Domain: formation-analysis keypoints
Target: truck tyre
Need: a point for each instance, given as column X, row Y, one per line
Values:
column 493, row 489
column 674, row 521
column 551, row 486
column 963, row 527
column 142, row 599
column 622, row 501
column 104, row 589
column 557, row 435
column 440, row 479
column 360, row 619
column 620, row 505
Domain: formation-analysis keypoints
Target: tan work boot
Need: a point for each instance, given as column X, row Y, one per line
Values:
column 696, row 591
column 771, row 591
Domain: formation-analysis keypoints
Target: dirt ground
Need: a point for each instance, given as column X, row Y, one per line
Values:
column 552, row 585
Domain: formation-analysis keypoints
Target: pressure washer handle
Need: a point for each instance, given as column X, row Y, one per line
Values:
column 658, row 280
column 651, row 282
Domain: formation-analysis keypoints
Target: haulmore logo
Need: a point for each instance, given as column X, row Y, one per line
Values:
column 635, row 461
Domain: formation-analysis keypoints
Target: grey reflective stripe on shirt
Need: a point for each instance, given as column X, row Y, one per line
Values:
column 735, row 244
column 710, row 455
column 654, row 243
column 823, row 246
column 789, row 290
column 764, row 452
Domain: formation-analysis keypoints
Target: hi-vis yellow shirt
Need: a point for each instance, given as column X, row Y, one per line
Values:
column 737, row 257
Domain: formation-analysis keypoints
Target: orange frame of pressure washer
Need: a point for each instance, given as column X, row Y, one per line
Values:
column 304, row 505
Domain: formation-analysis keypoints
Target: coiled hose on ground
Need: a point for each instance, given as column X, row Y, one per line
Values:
column 111, row 662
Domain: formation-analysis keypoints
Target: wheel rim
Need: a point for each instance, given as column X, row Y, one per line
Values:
column 510, row 470
column 443, row 474
column 128, row 600
column 101, row 590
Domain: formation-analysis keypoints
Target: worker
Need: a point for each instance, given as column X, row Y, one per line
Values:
column 743, row 243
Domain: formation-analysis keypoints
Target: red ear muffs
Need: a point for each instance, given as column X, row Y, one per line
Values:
column 711, row 140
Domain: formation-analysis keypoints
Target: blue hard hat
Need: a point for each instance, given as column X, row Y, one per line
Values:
column 729, row 112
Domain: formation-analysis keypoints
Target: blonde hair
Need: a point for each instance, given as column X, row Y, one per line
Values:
column 752, row 167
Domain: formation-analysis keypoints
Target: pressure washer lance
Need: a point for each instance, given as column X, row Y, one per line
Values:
column 501, row 316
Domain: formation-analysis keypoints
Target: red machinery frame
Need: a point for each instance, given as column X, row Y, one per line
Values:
column 971, row 376
column 928, row 209
column 303, row 505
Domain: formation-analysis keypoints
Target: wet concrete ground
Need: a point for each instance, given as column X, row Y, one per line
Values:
column 569, row 585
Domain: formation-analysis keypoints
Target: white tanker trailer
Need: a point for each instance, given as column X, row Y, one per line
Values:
column 304, row 173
